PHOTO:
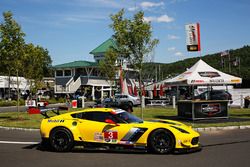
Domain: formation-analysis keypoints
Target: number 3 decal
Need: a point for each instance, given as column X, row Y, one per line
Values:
column 110, row 135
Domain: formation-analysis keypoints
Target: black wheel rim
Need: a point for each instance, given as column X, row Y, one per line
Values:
column 162, row 142
column 60, row 140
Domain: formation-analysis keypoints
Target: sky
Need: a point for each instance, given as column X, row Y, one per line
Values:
column 70, row 29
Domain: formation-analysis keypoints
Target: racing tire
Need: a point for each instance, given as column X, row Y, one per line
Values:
column 61, row 140
column 161, row 141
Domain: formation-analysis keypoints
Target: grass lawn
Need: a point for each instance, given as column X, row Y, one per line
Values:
column 237, row 117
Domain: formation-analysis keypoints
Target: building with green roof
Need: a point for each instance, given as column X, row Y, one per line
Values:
column 76, row 64
column 99, row 52
column 101, row 49
column 84, row 77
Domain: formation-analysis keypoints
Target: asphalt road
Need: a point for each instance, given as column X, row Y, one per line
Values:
column 229, row 148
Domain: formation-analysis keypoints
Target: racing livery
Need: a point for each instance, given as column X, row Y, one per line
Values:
column 97, row 127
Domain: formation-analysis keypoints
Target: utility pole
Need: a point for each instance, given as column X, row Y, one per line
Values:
column 239, row 64
column 159, row 72
column 156, row 74
column 229, row 63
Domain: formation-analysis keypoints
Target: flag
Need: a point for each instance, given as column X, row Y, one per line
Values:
column 161, row 91
column 129, row 86
column 135, row 91
column 155, row 91
column 121, row 81
column 143, row 91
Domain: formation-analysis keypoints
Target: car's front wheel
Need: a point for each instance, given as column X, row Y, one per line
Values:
column 161, row 141
column 61, row 139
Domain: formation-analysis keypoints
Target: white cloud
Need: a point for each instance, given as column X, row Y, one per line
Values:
column 173, row 37
column 176, row 1
column 133, row 9
column 96, row 3
column 146, row 5
column 82, row 18
column 165, row 18
column 161, row 19
column 178, row 54
column 171, row 49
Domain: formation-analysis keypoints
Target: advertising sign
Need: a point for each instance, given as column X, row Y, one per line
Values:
column 203, row 109
column 193, row 37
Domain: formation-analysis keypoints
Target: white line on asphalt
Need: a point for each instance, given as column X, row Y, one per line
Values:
column 18, row 142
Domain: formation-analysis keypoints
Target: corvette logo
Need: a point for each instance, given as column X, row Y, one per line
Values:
column 211, row 109
column 209, row 74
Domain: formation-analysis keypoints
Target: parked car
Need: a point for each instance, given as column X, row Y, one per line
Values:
column 215, row 95
column 132, row 100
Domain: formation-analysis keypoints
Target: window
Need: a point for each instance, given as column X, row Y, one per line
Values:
column 94, row 116
column 67, row 73
column 59, row 73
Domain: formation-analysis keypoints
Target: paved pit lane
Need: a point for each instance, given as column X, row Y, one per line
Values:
column 220, row 148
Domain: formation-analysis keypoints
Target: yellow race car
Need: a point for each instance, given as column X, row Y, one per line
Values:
column 107, row 127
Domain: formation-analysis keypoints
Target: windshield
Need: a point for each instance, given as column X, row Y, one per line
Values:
column 125, row 117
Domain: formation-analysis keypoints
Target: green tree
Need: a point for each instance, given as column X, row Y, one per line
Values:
column 20, row 59
column 108, row 66
column 134, row 39
column 11, row 47
column 37, row 63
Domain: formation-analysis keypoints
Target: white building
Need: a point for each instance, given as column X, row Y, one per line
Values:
column 12, row 83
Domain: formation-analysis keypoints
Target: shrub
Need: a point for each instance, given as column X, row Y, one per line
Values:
column 6, row 103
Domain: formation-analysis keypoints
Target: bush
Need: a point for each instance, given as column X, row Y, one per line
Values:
column 6, row 103
column 53, row 100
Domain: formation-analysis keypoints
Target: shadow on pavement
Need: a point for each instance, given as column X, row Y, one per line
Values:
column 80, row 149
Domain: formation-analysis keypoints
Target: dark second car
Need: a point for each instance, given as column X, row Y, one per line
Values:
column 215, row 95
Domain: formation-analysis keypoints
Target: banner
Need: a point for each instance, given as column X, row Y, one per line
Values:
column 193, row 37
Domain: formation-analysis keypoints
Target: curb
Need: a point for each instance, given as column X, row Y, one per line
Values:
column 222, row 128
column 21, row 129
column 197, row 129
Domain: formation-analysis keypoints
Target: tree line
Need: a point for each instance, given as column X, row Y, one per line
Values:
column 19, row 58
column 235, row 63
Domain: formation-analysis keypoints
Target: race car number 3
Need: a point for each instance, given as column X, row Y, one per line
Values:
column 110, row 135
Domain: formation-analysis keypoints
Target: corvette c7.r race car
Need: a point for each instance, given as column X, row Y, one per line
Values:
column 99, row 127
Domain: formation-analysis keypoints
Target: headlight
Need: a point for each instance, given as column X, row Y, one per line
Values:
column 181, row 130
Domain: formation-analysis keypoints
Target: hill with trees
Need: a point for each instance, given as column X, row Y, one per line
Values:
column 237, row 63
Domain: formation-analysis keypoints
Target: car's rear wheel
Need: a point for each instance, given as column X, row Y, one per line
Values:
column 61, row 139
column 161, row 141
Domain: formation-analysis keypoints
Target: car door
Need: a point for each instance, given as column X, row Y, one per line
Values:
column 93, row 128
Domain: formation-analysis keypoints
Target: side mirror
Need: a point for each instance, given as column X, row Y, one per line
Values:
column 109, row 121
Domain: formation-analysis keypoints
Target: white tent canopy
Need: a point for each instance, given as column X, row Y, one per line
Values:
column 203, row 74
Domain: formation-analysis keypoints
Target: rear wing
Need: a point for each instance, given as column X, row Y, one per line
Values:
column 43, row 110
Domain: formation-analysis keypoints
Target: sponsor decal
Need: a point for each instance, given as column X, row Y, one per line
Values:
column 55, row 121
column 235, row 80
column 216, row 80
column 211, row 109
column 98, row 137
column 111, row 136
column 126, row 142
column 134, row 134
column 187, row 73
column 209, row 74
column 197, row 81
